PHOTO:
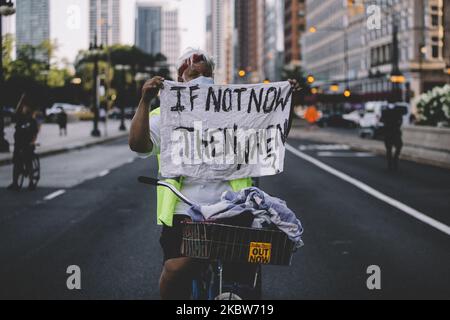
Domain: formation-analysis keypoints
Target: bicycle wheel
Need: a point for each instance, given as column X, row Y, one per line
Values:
column 35, row 174
column 21, row 177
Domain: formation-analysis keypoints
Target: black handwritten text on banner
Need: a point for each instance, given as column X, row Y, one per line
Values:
column 224, row 132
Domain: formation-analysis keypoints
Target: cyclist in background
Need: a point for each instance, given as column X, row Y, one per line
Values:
column 24, row 143
column 195, row 67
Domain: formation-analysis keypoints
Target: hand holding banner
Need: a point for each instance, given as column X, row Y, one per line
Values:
column 217, row 132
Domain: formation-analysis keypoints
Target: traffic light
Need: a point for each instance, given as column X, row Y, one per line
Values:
column 267, row 81
column 242, row 73
column 310, row 79
column 347, row 93
column 314, row 90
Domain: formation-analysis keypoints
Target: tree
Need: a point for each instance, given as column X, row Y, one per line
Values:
column 8, row 46
column 434, row 107
column 35, row 72
column 123, row 82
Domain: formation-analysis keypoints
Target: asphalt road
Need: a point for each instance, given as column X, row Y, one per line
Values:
column 103, row 221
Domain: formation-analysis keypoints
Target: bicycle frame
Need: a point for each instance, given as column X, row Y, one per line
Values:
column 215, row 268
column 159, row 183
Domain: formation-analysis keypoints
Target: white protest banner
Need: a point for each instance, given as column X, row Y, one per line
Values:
column 228, row 132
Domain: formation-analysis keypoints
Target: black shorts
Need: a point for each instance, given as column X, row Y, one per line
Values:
column 172, row 237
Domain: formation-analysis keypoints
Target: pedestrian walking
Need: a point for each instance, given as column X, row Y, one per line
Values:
column 392, row 118
column 62, row 122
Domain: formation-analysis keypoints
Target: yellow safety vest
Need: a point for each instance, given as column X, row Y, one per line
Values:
column 167, row 200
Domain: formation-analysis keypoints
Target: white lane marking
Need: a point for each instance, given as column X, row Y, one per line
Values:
column 327, row 154
column 104, row 173
column 364, row 187
column 54, row 195
column 324, row 147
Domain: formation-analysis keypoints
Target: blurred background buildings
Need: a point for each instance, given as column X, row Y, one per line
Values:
column 344, row 52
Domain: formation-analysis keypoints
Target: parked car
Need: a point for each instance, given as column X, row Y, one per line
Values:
column 85, row 114
column 115, row 113
column 8, row 115
column 74, row 112
column 354, row 118
column 335, row 119
column 370, row 125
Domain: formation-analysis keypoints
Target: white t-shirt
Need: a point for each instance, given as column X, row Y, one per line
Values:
column 199, row 191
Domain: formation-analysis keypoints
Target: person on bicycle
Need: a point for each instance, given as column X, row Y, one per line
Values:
column 194, row 67
column 24, row 144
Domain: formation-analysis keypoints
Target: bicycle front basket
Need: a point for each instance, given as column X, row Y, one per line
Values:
column 236, row 244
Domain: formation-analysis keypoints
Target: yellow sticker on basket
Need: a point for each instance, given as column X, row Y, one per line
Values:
column 260, row 252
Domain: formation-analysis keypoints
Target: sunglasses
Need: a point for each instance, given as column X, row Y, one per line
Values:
column 196, row 58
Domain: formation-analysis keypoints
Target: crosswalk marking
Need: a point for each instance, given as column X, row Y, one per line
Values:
column 328, row 154
column 324, row 147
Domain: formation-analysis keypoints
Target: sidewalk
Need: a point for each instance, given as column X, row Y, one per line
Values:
column 440, row 158
column 79, row 136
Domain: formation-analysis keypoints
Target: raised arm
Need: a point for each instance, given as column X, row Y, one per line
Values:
column 139, row 139
column 296, row 87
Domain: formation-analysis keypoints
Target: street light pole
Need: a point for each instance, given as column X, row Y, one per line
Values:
column 94, row 48
column 121, row 93
column 397, row 78
column 6, row 9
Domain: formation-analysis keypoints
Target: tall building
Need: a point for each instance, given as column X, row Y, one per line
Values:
column 249, row 48
column 446, row 17
column 158, row 31
column 354, row 45
column 148, row 27
column 220, row 38
column 32, row 23
column 170, row 34
column 104, row 21
column 273, row 39
column 294, row 27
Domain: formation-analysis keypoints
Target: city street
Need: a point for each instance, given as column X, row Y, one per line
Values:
column 90, row 211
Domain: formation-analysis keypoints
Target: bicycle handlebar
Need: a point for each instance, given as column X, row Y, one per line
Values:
column 149, row 181
column 156, row 182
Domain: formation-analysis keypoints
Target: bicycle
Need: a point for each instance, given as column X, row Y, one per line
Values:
column 233, row 255
column 34, row 174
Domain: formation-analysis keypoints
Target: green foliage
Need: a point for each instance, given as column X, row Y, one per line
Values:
column 434, row 107
column 8, row 47
column 34, row 63
column 126, row 63
column 35, row 72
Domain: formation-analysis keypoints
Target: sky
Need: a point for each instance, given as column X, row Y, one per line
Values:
column 69, row 23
